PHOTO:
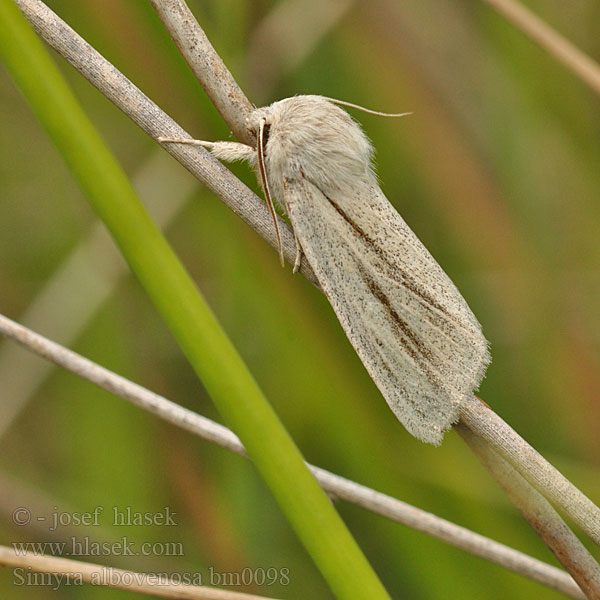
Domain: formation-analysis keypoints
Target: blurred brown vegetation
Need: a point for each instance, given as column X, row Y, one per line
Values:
column 497, row 173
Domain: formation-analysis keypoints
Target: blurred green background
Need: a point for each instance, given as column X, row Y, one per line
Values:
column 497, row 173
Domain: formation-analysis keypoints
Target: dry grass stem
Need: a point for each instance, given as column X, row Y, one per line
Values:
column 207, row 65
column 77, row 572
column 560, row 48
column 538, row 512
column 149, row 117
column 504, row 440
column 335, row 485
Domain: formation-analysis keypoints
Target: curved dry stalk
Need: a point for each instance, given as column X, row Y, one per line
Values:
column 63, row 570
column 156, row 123
column 336, row 485
column 579, row 63
column 504, row 440
column 207, row 65
column 538, row 512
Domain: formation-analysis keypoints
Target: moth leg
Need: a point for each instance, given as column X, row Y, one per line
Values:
column 227, row 151
column 299, row 253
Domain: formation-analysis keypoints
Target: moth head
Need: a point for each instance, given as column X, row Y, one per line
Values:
column 309, row 136
column 310, row 127
column 260, row 119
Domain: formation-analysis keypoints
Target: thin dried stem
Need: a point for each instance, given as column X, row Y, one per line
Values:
column 564, row 51
column 77, row 572
column 207, row 65
column 504, row 440
column 538, row 512
column 140, row 109
column 336, row 485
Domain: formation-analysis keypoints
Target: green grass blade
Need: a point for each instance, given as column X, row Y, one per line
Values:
column 217, row 363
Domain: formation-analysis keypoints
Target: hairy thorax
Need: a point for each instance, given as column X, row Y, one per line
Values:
column 309, row 137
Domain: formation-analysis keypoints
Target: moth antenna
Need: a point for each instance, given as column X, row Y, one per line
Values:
column 367, row 110
column 260, row 149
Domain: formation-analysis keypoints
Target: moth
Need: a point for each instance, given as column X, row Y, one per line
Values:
column 409, row 324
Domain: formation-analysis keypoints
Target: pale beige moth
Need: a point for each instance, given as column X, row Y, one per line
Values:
column 409, row 324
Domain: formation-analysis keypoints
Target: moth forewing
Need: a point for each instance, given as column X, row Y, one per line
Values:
column 424, row 350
